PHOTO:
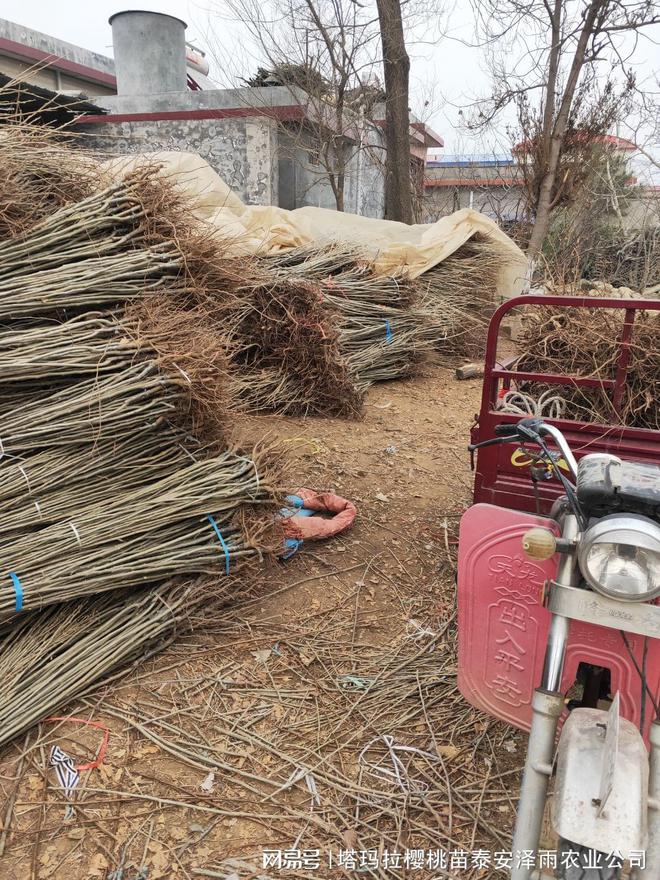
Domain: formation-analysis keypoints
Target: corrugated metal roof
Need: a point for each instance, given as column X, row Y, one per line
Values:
column 44, row 104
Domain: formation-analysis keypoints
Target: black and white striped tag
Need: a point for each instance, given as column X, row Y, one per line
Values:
column 66, row 773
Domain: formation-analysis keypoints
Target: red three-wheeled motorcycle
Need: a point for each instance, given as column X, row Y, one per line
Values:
column 559, row 626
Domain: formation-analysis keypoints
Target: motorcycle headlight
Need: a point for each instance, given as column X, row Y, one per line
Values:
column 619, row 557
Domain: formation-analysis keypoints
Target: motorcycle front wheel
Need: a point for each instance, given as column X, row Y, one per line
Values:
column 575, row 862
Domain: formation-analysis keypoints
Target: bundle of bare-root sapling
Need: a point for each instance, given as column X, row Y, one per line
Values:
column 186, row 522
column 53, row 656
column 585, row 342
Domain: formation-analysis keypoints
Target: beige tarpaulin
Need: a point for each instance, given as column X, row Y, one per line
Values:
column 252, row 228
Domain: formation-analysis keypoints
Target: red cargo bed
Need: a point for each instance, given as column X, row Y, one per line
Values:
column 498, row 480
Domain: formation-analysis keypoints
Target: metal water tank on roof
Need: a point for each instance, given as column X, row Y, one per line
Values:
column 150, row 52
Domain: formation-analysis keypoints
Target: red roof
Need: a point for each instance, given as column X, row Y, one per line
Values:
column 431, row 138
column 618, row 142
column 611, row 139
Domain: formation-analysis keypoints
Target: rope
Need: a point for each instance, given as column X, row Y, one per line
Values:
column 548, row 405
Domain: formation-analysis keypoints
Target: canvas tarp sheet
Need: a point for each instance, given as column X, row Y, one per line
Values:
column 392, row 245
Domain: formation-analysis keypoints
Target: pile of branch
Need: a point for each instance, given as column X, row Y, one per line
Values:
column 53, row 485
column 91, row 253
column 381, row 342
column 388, row 324
column 630, row 258
column 46, row 354
column 39, row 173
column 313, row 262
column 120, row 405
column 362, row 284
column 149, row 532
column 381, row 335
column 50, row 657
column 584, row 342
column 187, row 343
column 103, row 486
column 248, row 335
column 461, row 293
column 285, row 348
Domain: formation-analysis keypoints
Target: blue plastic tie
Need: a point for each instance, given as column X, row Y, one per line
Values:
column 291, row 546
column 222, row 541
column 388, row 331
column 18, row 589
column 296, row 509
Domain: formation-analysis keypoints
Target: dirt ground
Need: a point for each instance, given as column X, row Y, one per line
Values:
column 315, row 718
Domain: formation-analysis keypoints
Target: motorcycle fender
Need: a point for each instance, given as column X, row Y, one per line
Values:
column 601, row 785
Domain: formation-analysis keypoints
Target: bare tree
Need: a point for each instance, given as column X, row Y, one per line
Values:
column 325, row 53
column 594, row 111
column 565, row 44
column 396, row 68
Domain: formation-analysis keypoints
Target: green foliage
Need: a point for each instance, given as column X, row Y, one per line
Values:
column 597, row 247
column 586, row 230
column 594, row 112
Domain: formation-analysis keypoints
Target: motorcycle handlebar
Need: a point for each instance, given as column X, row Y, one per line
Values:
column 564, row 448
column 506, row 430
column 531, row 429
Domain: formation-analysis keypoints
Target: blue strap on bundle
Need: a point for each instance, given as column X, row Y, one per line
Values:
column 388, row 331
column 222, row 541
column 18, row 589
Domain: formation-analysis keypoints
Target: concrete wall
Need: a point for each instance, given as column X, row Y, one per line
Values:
column 366, row 180
column 304, row 181
column 490, row 185
column 499, row 202
column 241, row 150
column 213, row 99
column 265, row 159
column 369, row 183
column 644, row 210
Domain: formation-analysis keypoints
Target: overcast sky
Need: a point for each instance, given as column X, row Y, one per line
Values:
column 446, row 72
